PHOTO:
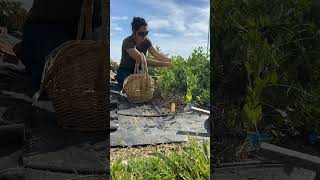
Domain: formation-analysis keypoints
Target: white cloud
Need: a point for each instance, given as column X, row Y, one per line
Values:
column 172, row 15
column 161, row 34
column 193, row 34
column 205, row 11
column 179, row 45
column 116, row 27
column 181, row 18
column 115, row 49
column 158, row 23
column 200, row 27
column 199, row 24
column 115, row 20
column 176, row 28
column 119, row 18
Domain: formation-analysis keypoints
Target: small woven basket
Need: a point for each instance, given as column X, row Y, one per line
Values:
column 74, row 77
column 139, row 87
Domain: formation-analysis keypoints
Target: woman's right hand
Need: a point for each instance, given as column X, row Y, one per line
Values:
column 166, row 64
column 143, row 59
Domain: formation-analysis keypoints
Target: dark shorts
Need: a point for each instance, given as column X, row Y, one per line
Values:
column 38, row 42
column 122, row 74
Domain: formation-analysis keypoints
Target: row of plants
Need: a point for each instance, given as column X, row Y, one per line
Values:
column 187, row 161
column 267, row 57
column 188, row 77
column 114, row 66
column 12, row 14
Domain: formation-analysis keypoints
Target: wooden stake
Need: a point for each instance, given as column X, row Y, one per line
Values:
column 291, row 157
column 201, row 110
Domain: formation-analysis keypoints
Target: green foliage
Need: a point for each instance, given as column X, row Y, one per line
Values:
column 269, row 53
column 12, row 15
column 114, row 66
column 188, row 162
column 188, row 77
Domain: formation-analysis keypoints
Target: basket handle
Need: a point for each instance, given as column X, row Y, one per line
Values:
column 85, row 22
column 105, row 12
column 144, row 66
column 136, row 68
column 100, row 83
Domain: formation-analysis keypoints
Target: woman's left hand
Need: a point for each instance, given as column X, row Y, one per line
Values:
column 158, row 56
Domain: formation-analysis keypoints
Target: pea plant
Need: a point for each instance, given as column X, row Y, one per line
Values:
column 269, row 53
column 188, row 77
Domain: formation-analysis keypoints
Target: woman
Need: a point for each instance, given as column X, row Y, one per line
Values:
column 132, row 46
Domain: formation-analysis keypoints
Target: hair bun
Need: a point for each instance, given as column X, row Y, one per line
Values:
column 136, row 19
column 137, row 22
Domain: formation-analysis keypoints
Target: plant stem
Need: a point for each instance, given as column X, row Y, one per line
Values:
column 287, row 86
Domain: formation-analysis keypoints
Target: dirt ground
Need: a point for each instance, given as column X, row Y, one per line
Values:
column 145, row 151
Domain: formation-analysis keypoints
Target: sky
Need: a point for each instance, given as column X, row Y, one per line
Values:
column 176, row 26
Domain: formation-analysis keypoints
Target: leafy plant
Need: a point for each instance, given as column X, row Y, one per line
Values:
column 189, row 77
column 12, row 14
column 114, row 66
column 269, row 53
column 190, row 161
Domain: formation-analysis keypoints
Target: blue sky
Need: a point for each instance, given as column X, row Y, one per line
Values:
column 176, row 26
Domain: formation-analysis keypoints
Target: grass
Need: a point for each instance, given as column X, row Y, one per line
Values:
column 187, row 161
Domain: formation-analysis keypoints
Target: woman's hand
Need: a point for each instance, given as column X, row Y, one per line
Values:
column 155, row 63
column 143, row 58
column 139, row 58
column 160, row 57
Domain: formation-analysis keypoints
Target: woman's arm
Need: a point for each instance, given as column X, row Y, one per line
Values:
column 135, row 54
column 154, row 63
column 153, row 51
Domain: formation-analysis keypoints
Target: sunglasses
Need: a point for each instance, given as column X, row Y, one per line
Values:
column 143, row 34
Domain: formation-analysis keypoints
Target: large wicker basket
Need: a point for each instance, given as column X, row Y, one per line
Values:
column 139, row 87
column 74, row 77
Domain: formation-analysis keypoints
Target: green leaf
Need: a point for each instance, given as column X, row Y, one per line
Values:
column 249, row 68
column 272, row 77
column 189, row 96
column 258, row 87
column 252, row 114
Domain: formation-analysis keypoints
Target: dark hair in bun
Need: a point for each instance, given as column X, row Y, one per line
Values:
column 137, row 22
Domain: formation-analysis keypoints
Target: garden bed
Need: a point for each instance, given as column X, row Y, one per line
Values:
column 266, row 74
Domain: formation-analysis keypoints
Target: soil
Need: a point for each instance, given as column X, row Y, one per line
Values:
column 232, row 145
column 236, row 149
column 165, row 104
column 299, row 143
column 141, row 151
